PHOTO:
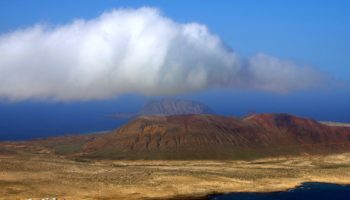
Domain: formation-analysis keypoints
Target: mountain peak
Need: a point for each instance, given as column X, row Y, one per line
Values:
column 174, row 107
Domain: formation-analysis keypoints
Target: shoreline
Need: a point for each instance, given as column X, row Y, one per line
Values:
column 208, row 196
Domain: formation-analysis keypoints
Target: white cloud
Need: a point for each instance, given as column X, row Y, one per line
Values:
column 133, row 51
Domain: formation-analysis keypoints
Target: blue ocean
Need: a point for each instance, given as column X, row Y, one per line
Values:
column 307, row 191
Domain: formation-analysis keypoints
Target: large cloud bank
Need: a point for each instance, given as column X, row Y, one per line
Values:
column 133, row 51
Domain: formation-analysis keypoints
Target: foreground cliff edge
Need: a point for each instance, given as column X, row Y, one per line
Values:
column 159, row 157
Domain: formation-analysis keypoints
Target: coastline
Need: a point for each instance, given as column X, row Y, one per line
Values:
column 209, row 196
column 311, row 186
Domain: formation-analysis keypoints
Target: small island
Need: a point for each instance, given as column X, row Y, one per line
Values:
column 178, row 157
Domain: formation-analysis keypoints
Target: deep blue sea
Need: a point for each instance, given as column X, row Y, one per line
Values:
column 28, row 120
column 307, row 191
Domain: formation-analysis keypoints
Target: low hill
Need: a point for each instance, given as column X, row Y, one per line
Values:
column 200, row 137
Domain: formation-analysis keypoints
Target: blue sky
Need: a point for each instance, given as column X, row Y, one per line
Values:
column 316, row 33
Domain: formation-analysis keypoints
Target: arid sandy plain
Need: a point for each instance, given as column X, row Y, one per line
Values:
column 47, row 176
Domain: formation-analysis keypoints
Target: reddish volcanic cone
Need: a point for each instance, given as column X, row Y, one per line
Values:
column 205, row 137
column 218, row 137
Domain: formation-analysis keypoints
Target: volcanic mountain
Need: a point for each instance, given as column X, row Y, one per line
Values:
column 174, row 107
column 204, row 137
column 167, row 107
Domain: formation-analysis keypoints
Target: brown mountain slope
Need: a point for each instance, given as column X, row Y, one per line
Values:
column 301, row 130
column 205, row 137
column 211, row 136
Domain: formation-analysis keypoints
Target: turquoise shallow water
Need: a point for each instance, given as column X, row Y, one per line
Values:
column 307, row 191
